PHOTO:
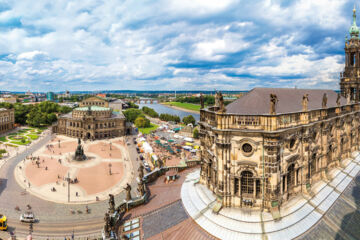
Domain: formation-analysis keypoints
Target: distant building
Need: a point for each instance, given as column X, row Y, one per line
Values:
column 102, row 95
column 92, row 120
column 50, row 96
column 65, row 95
column 8, row 99
column 117, row 105
column 7, row 119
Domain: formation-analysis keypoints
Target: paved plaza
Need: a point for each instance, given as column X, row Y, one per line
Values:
column 106, row 170
column 56, row 220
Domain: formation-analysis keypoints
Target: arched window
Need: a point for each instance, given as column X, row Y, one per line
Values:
column 247, row 183
column 291, row 176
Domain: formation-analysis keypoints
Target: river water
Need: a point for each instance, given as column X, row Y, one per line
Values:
column 159, row 108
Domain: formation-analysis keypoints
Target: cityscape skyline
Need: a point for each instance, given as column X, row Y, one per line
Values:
column 165, row 45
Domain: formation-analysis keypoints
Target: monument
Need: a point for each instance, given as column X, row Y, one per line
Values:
column 79, row 153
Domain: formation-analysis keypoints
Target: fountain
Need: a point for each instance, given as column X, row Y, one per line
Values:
column 79, row 153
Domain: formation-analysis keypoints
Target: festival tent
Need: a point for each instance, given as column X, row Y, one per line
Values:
column 147, row 148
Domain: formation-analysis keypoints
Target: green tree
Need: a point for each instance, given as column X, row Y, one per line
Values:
column 132, row 114
column 189, row 119
column 133, row 105
column 151, row 112
column 21, row 112
column 196, row 133
column 169, row 117
column 142, row 122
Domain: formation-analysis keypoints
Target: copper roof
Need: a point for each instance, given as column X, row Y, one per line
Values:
column 257, row 101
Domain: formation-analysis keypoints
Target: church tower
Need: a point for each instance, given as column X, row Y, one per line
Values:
column 350, row 78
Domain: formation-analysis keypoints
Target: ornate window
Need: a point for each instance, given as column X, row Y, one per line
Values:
column 247, row 148
column 291, row 176
column 247, row 183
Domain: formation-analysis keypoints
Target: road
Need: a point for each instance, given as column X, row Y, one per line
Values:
column 55, row 219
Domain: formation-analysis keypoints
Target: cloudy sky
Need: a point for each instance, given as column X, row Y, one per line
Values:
column 55, row 45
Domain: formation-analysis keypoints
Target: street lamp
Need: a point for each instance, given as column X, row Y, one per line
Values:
column 110, row 168
column 68, row 180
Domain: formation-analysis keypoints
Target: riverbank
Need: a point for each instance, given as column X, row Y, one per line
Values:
column 181, row 108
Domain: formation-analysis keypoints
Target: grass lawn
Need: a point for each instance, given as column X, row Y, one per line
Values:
column 3, row 139
column 20, row 143
column 188, row 106
column 13, row 137
column 33, row 136
column 11, row 145
column 149, row 129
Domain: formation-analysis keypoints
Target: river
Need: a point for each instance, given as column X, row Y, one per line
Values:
column 159, row 108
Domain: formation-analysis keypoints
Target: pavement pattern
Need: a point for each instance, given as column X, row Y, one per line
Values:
column 55, row 220
column 48, row 178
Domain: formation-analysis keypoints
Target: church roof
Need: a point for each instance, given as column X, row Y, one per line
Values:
column 257, row 101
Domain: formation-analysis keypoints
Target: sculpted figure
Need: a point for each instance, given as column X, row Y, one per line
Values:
column 221, row 102
column 324, row 101
column 338, row 99
column 107, row 225
column 348, row 96
column 305, row 102
column 273, row 101
column 141, row 171
column 141, row 187
column 111, row 203
column 217, row 102
column 201, row 100
column 128, row 192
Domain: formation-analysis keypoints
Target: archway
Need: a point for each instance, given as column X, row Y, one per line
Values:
column 88, row 135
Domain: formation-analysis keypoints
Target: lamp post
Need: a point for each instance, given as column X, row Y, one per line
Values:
column 68, row 180
column 110, row 168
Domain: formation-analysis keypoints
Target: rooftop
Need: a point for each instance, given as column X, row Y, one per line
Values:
column 92, row 108
column 257, row 101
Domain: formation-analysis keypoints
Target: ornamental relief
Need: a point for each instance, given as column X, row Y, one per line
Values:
column 247, row 146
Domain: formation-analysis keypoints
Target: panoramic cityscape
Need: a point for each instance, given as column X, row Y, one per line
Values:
column 169, row 120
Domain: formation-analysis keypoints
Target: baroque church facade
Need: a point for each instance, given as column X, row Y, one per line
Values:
column 274, row 143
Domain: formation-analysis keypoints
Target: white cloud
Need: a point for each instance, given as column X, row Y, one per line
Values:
column 163, row 44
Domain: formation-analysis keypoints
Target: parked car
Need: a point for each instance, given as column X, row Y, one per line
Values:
column 27, row 217
column 146, row 166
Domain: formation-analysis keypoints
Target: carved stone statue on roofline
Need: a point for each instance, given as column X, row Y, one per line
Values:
column 324, row 101
column 305, row 102
column 273, row 102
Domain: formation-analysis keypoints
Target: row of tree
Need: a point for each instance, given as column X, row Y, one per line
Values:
column 132, row 114
column 169, row 118
column 36, row 115
column 151, row 112
column 208, row 100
